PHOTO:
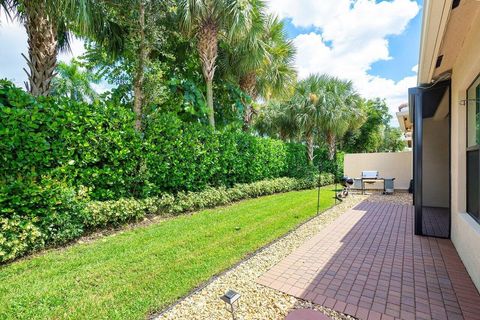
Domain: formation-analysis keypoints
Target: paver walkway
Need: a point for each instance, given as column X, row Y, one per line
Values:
column 436, row 222
column 306, row 314
column 368, row 264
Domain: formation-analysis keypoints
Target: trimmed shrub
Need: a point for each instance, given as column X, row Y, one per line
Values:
column 18, row 236
column 323, row 163
column 180, row 156
column 96, row 146
column 35, row 215
column 100, row 214
column 190, row 156
column 93, row 145
column 116, row 212
column 296, row 160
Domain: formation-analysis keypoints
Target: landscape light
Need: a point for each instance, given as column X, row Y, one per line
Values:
column 230, row 298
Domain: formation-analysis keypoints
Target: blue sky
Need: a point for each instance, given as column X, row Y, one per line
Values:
column 373, row 43
column 404, row 49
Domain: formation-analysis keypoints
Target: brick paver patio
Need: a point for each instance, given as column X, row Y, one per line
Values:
column 368, row 264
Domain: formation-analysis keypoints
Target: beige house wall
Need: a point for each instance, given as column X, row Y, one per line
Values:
column 465, row 230
column 435, row 191
column 396, row 165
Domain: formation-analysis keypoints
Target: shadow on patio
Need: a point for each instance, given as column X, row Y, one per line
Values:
column 368, row 264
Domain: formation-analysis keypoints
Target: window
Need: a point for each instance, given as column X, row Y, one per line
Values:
column 473, row 146
column 473, row 107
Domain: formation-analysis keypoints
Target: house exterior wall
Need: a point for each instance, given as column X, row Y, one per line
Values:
column 465, row 230
column 435, row 183
column 396, row 165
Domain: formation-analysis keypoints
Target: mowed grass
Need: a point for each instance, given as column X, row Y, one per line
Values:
column 137, row 272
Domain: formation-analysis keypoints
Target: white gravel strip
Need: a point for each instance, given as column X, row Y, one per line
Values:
column 399, row 197
column 257, row 301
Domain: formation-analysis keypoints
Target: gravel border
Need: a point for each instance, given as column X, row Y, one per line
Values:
column 399, row 197
column 257, row 301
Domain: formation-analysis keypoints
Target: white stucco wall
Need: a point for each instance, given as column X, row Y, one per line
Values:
column 435, row 163
column 396, row 165
column 465, row 230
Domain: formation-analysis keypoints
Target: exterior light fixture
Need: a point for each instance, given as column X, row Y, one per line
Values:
column 464, row 102
column 231, row 300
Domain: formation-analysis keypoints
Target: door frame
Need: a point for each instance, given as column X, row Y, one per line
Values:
column 417, row 97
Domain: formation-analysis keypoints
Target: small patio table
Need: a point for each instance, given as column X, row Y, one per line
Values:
column 371, row 180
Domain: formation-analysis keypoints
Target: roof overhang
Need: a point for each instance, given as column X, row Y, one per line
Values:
column 434, row 23
column 404, row 122
column 443, row 33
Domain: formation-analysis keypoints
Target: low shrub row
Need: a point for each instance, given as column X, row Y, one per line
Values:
column 71, row 215
column 105, row 213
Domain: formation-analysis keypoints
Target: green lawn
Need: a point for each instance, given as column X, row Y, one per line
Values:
column 129, row 275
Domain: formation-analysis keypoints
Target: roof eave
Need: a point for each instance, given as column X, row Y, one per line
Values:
column 434, row 23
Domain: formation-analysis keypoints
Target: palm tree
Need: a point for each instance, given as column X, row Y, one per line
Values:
column 208, row 21
column 324, row 107
column 306, row 109
column 340, row 110
column 261, row 61
column 243, row 55
column 277, row 75
column 49, row 24
column 138, row 81
column 74, row 82
column 276, row 120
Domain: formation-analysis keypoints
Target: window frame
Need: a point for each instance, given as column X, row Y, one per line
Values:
column 473, row 148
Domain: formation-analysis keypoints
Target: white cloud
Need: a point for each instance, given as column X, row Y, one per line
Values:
column 306, row 13
column 352, row 36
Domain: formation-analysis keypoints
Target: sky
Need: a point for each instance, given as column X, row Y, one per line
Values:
column 373, row 43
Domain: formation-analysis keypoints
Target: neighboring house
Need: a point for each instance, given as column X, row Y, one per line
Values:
column 405, row 123
column 445, row 111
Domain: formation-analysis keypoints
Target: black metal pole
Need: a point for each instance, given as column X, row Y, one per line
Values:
column 335, row 168
column 319, row 185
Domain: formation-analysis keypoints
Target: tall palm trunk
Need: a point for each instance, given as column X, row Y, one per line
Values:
column 139, row 77
column 331, row 141
column 42, row 48
column 248, row 84
column 208, row 52
column 310, row 148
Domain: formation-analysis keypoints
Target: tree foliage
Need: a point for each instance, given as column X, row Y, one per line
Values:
column 185, row 77
column 74, row 82
column 376, row 133
column 321, row 108
column 209, row 21
column 49, row 25
column 260, row 61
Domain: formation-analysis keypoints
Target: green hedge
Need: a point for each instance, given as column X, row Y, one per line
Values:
column 84, row 145
column 58, row 155
column 95, row 145
column 190, row 156
column 323, row 163
column 297, row 161
column 37, row 214
column 67, row 215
